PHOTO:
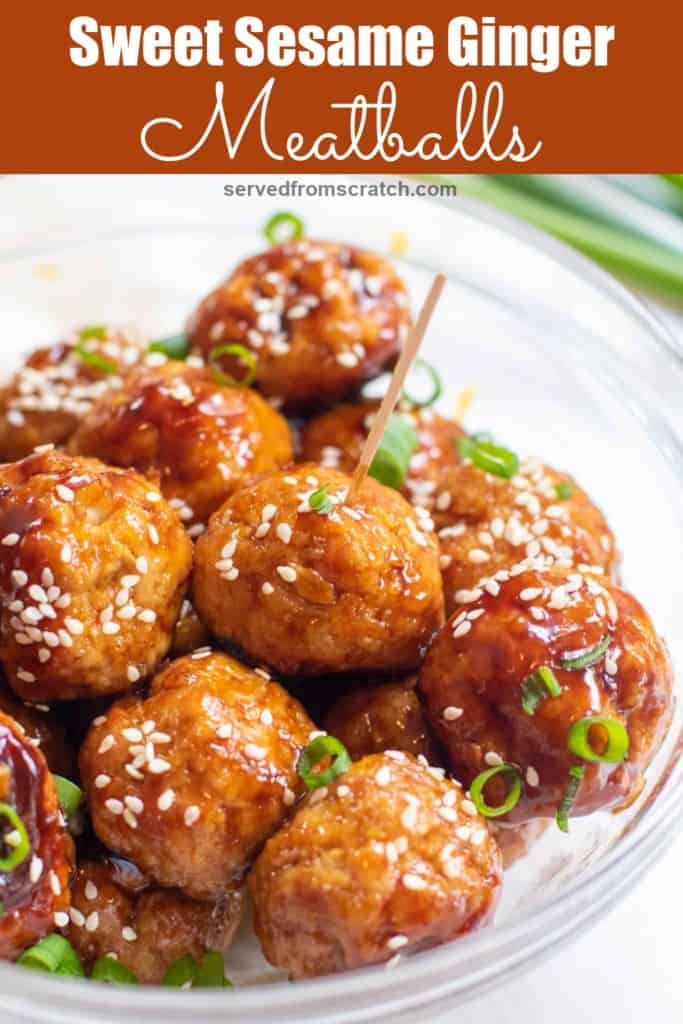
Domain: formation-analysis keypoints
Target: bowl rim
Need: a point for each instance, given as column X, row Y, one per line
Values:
column 425, row 978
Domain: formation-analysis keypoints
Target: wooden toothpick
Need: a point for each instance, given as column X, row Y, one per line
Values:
column 406, row 359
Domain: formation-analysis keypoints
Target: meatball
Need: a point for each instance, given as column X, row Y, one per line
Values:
column 391, row 856
column 42, row 729
column 490, row 707
column 191, row 781
column 355, row 589
column 386, row 716
column 190, row 632
column 487, row 523
column 116, row 910
column 178, row 426
column 93, row 567
column 320, row 317
column 34, row 892
column 336, row 439
column 45, row 400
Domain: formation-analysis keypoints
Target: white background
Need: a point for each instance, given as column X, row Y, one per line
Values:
column 627, row 969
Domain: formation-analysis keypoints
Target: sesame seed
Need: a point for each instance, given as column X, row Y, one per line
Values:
column 10, row 539
column 92, row 922
column 35, row 870
column 19, row 578
column 397, row 941
column 267, row 717
column 414, row 882
column 26, row 677
column 147, row 615
column 268, row 513
column 153, row 533
column 153, row 496
column 130, row 818
column 532, row 776
column 191, row 815
column 132, row 673
column 134, row 803
column 530, row 593
column 468, row 807
column 477, row 555
column 102, row 781
column 267, row 588
column 252, row 750
column 462, row 629
column 132, row 735
column 55, row 884
column 409, row 817
column 109, row 628
column 157, row 766
column 289, row 796
column 166, row 800
column 451, row 713
column 114, row 806
column 141, row 565
column 128, row 934
column 493, row 759
column 64, row 492
column 224, row 732
column 106, row 744
column 75, row 626
column 77, row 917
column 383, row 776
column 284, row 532
column 61, row 919
column 286, row 572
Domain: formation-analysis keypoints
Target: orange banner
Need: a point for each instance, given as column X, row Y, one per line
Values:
column 150, row 87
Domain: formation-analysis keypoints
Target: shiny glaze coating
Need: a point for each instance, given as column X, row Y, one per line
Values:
column 472, row 683
column 116, row 910
column 48, row 396
column 44, row 730
column 487, row 523
column 321, row 318
column 336, row 438
column 191, row 781
column 390, row 857
column 356, row 590
column 93, row 567
column 197, row 439
column 384, row 716
column 189, row 633
column 37, row 888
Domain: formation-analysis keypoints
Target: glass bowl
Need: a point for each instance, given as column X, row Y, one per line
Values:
column 564, row 363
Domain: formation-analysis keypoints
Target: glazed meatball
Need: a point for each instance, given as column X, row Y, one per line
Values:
column 93, row 567
column 190, row 632
column 386, row 716
column 45, row 400
column 191, row 781
column 356, row 589
column 199, row 440
column 336, row 439
column 42, row 729
column 321, row 319
column 487, row 523
column 607, row 662
column 391, row 856
column 116, row 910
column 34, row 891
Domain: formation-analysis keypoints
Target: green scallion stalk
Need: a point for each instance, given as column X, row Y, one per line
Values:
column 319, row 750
column 107, row 969
column 55, row 955
column 392, row 458
column 20, row 849
column 616, row 747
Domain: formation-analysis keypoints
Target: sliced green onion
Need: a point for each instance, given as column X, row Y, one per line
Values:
column 283, row 227
column 489, row 457
column 211, row 972
column 68, row 794
column 175, row 347
column 537, row 687
column 512, row 798
column 98, row 331
column 2, row 910
column 54, row 954
column 435, row 394
column 564, row 490
column 578, row 739
column 97, row 361
column 397, row 447
column 239, row 352
column 106, row 968
column 562, row 817
column 582, row 659
column 320, row 501
column 316, row 751
column 21, row 849
column 180, row 972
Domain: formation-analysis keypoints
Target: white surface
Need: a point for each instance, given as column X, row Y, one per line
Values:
column 625, row 969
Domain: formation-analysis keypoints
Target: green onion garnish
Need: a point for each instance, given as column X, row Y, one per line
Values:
column 55, row 955
column 97, row 361
column 68, row 794
column 239, row 352
column 20, row 850
column 392, row 458
column 98, row 331
column 320, row 501
column 562, row 817
column 489, row 457
column 175, row 347
column 106, row 968
column 435, row 394
column 2, row 910
column 537, row 687
column 578, row 739
column 283, row 227
column 208, row 973
column 564, row 490
column 316, row 751
column 582, row 659
column 180, row 972
column 512, row 798
column 211, row 972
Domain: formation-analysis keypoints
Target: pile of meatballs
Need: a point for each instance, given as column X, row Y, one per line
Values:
column 353, row 714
